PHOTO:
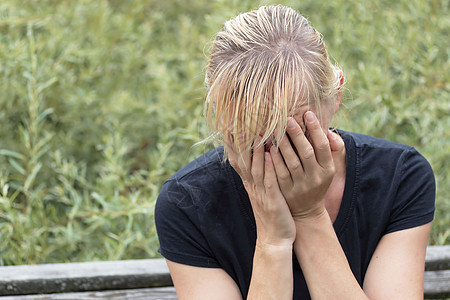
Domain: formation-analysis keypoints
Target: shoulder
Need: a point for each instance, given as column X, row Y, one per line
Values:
column 208, row 167
column 381, row 152
column 367, row 141
column 198, row 180
column 179, row 215
column 395, row 177
column 211, row 159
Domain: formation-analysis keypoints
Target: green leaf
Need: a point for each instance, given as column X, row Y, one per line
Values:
column 46, row 84
column 30, row 179
column 16, row 166
column 10, row 153
column 44, row 114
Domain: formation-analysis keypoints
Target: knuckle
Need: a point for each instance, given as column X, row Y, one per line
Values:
column 323, row 145
column 308, row 153
column 331, row 169
column 256, row 174
column 328, row 170
column 295, row 165
column 317, row 181
column 269, row 185
column 284, row 175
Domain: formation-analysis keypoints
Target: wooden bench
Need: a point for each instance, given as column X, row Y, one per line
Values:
column 148, row 279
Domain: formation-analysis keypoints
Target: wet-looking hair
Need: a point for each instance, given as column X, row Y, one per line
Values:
column 264, row 65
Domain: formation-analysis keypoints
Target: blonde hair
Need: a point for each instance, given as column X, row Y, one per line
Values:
column 263, row 65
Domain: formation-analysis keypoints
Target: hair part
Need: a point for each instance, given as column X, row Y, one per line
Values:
column 263, row 66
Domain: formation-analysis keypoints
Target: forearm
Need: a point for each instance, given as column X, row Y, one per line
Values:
column 272, row 276
column 323, row 262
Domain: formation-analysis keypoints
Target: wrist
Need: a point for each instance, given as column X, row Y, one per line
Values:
column 279, row 246
column 313, row 217
column 311, row 234
column 272, row 255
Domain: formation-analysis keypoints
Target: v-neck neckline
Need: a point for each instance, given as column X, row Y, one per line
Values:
column 351, row 183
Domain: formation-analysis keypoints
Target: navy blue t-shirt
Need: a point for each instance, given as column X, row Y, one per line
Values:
column 204, row 218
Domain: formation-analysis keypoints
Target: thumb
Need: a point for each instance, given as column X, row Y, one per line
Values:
column 336, row 142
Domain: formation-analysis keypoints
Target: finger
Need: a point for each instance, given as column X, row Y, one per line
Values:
column 304, row 150
column 318, row 139
column 290, row 156
column 257, row 168
column 281, row 170
column 336, row 142
column 270, row 179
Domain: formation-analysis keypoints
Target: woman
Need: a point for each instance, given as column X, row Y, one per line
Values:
column 287, row 208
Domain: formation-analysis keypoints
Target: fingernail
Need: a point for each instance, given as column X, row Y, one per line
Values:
column 336, row 136
column 332, row 135
column 309, row 116
column 291, row 123
column 267, row 156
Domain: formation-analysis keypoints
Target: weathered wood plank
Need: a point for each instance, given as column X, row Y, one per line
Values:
column 163, row 293
column 76, row 277
column 437, row 284
column 438, row 258
column 139, row 275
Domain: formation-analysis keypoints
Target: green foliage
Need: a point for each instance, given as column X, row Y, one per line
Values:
column 102, row 101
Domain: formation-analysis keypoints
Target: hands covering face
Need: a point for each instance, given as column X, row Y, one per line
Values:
column 288, row 184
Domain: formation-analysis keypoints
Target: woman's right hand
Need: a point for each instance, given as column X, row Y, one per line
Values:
column 274, row 223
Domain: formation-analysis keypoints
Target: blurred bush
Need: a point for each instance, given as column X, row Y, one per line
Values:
column 102, row 101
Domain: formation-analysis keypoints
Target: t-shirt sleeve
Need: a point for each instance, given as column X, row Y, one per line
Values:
column 179, row 230
column 415, row 200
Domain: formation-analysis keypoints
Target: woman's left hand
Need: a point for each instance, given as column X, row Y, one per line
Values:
column 305, row 173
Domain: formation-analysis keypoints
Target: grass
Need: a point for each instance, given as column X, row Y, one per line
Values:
column 102, row 101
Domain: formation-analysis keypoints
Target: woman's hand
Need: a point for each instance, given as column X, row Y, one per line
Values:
column 274, row 223
column 304, row 174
